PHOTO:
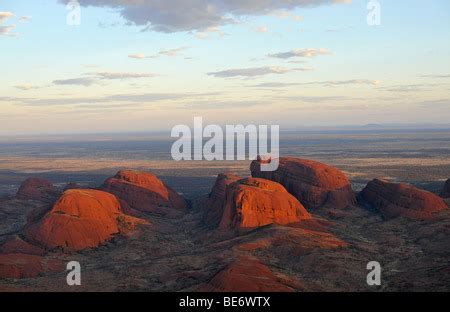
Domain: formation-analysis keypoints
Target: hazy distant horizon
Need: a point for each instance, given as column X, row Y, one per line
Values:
column 165, row 134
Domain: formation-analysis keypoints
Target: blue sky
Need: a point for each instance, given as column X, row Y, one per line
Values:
column 147, row 66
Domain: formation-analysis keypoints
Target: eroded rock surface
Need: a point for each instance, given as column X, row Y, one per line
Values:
column 313, row 183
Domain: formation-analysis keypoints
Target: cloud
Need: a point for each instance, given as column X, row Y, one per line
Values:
column 93, row 78
column 25, row 87
column 262, row 29
column 407, row 88
column 121, row 75
column 7, row 30
column 300, row 53
column 138, row 56
column 435, row 76
column 172, row 52
column 255, row 71
column 205, row 34
column 315, row 99
column 166, row 52
column 4, row 16
column 283, row 14
column 25, row 18
column 196, row 15
column 329, row 83
column 83, row 81
column 143, row 98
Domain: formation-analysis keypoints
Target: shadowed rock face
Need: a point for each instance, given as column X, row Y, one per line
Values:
column 145, row 192
column 314, row 184
column 393, row 200
column 249, row 275
column 15, row 245
column 216, row 199
column 36, row 189
column 80, row 219
column 25, row 266
column 446, row 190
column 254, row 202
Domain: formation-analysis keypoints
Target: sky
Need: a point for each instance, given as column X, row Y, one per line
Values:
column 135, row 65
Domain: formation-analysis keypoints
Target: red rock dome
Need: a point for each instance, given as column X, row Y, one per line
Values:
column 15, row 245
column 313, row 183
column 216, row 199
column 401, row 199
column 36, row 189
column 249, row 275
column 254, row 202
column 80, row 219
column 145, row 192
column 26, row 266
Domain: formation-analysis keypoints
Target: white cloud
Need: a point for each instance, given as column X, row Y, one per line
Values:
column 308, row 53
column 172, row 52
column 435, row 76
column 93, row 78
column 255, row 71
column 25, row 87
column 283, row 14
column 166, row 52
column 25, row 18
column 262, row 29
column 138, row 56
column 121, row 75
column 7, row 30
column 84, row 81
column 4, row 16
column 205, row 34
column 328, row 83
column 197, row 15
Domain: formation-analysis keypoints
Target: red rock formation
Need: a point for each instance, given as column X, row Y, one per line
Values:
column 249, row 275
column 446, row 190
column 36, row 189
column 313, row 183
column 25, row 266
column 393, row 200
column 80, row 219
column 216, row 200
column 253, row 202
column 15, row 245
column 145, row 192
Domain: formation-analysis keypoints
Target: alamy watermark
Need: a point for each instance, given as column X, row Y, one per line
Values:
column 73, row 278
column 374, row 276
column 73, row 17
column 374, row 14
column 237, row 142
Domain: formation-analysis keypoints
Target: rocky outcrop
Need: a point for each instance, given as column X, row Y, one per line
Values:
column 80, row 219
column 446, row 190
column 25, row 266
column 216, row 199
column 145, row 192
column 254, row 202
column 250, row 275
column 401, row 199
column 15, row 245
column 313, row 183
column 37, row 189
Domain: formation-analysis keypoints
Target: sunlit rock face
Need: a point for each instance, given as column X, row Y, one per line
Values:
column 401, row 199
column 313, row 183
column 254, row 202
